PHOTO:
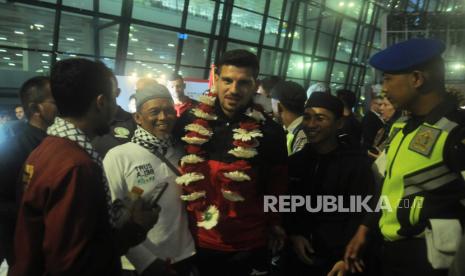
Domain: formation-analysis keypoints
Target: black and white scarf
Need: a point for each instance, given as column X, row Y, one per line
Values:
column 64, row 129
column 152, row 143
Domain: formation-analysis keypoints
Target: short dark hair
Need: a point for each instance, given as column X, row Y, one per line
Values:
column 269, row 82
column 347, row 97
column 174, row 77
column 435, row 69
column 32, row 91
column 240, row 58
column 76, row 82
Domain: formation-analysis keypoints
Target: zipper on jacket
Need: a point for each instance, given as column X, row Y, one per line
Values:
column 395, row 155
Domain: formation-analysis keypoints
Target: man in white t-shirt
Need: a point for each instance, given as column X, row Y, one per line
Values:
column 146, row 163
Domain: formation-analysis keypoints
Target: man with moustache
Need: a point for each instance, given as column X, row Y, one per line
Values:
column 154, row 153
column 324, row 167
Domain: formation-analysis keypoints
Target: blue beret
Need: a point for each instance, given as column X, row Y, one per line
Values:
column 407, row 55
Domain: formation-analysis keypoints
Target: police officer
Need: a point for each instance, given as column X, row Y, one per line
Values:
column 425, row 166
column 121, row 130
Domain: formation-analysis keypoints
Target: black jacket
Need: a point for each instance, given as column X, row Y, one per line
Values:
column 342, row 172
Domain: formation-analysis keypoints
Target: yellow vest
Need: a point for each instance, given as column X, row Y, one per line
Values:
column 414, row 164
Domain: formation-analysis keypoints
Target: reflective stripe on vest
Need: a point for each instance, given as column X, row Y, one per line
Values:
column 414, row 164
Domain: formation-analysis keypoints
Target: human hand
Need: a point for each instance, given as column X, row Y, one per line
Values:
column 144, row 215
column 353, row 253
column 277, row 238
column 302, row 248
column 338, row 269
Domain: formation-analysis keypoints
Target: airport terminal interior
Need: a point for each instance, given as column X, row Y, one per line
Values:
column 322, row 45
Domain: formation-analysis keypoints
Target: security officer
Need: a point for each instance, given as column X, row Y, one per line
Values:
column 425, row 166
column 121, row 130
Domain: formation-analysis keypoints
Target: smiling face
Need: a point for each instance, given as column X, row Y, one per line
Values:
column 320, row 125
column 236, row 87
column 157, row 116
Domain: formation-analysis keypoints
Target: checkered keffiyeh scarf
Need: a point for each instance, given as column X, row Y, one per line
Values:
column 145, row 139
column 67, row 130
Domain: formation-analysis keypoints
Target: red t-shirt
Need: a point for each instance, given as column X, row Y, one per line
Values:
column 63, row 226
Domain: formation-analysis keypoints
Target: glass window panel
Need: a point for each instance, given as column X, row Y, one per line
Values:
column 77, row 35
column 108, row 40
column 111, row 6
column 245, row 25
column 19, row 60
column 348, row 29
column 370, row 13
column 269, row 62
column 167, row 12
column 195, row 51
column 201, row 15
column 80, row 4
column 301, row 13
column 271, row 32
column 313, row 13
column 298, row 66
column 328, row 23
column 309, row 39
column 319, row 70
column 344, row 50
column 324, row 45
column 368, row 76
column 356, row 71
column 256, row 5
column 377, row 39
column 276, row 7
column 146, row 46
column 189, row 72
column 298, row 40
column 148, row 69
column 233, row 46
column 339, row 73
column 26, row 27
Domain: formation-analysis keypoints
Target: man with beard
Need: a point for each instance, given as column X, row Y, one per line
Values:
column 149, row 166
column 324, row 167
column 40, row 111
column 235, row 155
column 64, row 224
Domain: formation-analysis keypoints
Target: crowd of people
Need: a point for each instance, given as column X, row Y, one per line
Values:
column 178, row 186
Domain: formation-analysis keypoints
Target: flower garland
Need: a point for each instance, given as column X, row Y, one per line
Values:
column 195, row 167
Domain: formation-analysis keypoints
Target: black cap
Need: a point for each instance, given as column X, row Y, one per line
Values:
column 291, row 94
column 326, row 101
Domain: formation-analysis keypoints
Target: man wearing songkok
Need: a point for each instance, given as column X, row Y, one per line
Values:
column 147, row 163
column 325, row 167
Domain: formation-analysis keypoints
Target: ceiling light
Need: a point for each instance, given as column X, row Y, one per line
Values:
column 11, row 64
column 134, row 39
column 130, row 54
column 6, row 58
column 351, row 4
column 19, row 32
column 112, row 44
column 70, row 39
column 46, row 66
column 149, row 75
column 58, row 58
column 39, row 25
column 2, row 38
column 45, row 55
column 137, row 61
column 72, row 55
column 149, row 49
column 50, row 44
column 19, row 55
column 341, row 4
column 2, row 51
column 44, row 61
column 171, row 45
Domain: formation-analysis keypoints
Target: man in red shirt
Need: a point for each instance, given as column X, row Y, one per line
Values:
column 66, row 223
column 176, row 87
column 235, row 156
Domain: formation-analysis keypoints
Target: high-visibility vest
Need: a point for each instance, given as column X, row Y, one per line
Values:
column 414, row 165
